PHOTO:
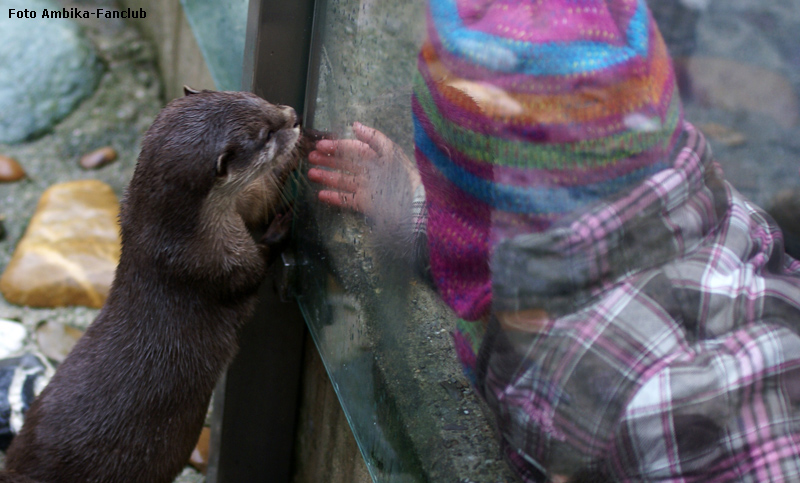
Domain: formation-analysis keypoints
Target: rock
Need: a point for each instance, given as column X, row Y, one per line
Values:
column 47, row 66
column 199, row 458
column 189, row 475
column 735, row 86
column 98, row 158
column 723, row 134
column 21, row 380
column 12, row 338
column 56, row 340
column 69, row 251
column 10, row 170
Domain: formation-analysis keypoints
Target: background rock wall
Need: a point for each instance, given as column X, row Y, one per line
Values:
column 179, row 58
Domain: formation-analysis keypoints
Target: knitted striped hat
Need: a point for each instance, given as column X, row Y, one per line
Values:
column 527, row 110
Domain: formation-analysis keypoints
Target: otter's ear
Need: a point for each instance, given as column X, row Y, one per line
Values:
column 222, row 164
column 188, row 91
column 224, row 160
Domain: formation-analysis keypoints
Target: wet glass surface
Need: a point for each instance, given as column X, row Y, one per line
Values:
column 544, row 216
column 219, row 28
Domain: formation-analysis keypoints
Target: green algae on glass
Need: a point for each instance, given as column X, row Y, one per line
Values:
column 219, row 28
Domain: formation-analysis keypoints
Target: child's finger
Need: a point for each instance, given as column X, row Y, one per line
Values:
column 335, row 180
column 376, row 140
column 345, row 148
column 326, row 146
column 353, row 164
column 329, row 161
column 354, row 148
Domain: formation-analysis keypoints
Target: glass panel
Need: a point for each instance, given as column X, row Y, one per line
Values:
column 381, row 330
column 219, row 28
column 515, row 196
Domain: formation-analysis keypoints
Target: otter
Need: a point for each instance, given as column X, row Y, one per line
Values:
column 128, row 403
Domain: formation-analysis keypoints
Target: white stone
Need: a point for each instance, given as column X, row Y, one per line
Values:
column 12, row 338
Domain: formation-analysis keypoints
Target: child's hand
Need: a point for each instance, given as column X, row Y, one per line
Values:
column 363, row 170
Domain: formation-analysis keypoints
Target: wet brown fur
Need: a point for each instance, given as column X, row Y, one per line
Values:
column 128, row 403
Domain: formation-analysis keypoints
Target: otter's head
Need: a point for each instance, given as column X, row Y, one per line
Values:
column 200, row 154
column 259, row 138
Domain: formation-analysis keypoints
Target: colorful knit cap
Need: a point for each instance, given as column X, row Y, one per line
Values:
column 527, row 110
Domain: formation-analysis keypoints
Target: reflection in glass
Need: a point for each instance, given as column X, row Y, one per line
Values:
column 524, row 177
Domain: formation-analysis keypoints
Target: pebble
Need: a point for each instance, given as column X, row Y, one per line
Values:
column 10, row 170
column 98, row 158
column 12, row 338
column 199, row 458
column 70, row 249
column 723, row 134
column 56, row 340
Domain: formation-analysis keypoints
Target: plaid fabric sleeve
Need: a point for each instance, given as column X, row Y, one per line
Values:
column 672, row 349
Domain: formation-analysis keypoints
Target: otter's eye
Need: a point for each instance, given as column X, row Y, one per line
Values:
column 265, row 139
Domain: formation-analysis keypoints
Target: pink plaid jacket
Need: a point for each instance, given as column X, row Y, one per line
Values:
column 671, row 350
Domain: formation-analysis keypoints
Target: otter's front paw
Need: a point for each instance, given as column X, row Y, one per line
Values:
column 277, row 236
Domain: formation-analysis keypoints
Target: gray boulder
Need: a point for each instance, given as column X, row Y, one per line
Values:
column 47, row 66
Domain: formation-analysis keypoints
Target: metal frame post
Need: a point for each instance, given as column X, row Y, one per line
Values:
column 255, row 404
